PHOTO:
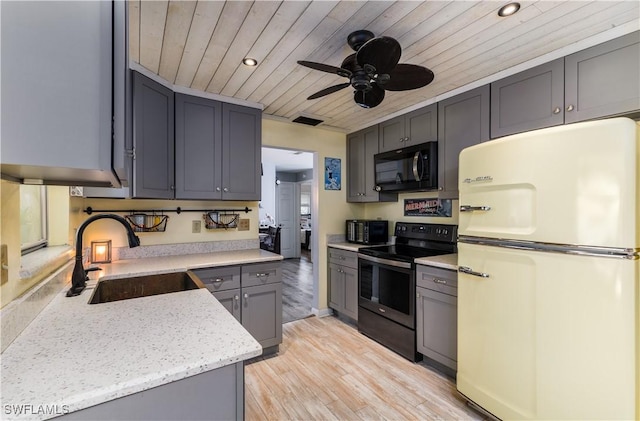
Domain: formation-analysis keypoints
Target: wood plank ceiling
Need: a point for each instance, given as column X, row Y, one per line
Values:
column 201, row 44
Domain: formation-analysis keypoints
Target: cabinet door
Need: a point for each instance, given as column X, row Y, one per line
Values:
column 230, row 299
column 262, row 313
column 241, row 152
column 355, row 168
column 603, row 80
column 391, row 134
column 350, row 277
column 369, row 194
column 529, row 100
column 436, row 326
column 220, row 278
column 463, row 120
column 57, row 91
column 198, row 148
column 421, row 126
column 153, row 139
column 336, row 287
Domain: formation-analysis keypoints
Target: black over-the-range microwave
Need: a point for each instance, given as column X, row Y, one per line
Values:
column 414, row 168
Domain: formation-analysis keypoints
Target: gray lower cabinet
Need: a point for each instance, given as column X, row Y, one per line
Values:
column 410, row 129
column 528, row 100
column 361, row 148
column 343, row 282
column 253, row 294
column 213, row 395
column 463, row 121
column 603, row 80
column 153, row 139
column 437, row 315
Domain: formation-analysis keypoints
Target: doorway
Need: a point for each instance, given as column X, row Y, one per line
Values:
column 287, row 191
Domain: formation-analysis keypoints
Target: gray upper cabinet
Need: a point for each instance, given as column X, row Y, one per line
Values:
column 603, row 80
column 57, row 92
column 463, row 121
column 361, row 148
column 410, row 129
column 217, row 146
column 241, row 152
column 198, row 148
column 153, row 139
column 528, row 100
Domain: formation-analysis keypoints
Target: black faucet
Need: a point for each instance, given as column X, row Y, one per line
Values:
column 79, row 277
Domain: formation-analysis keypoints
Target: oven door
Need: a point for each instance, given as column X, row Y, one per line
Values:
column 387, row 287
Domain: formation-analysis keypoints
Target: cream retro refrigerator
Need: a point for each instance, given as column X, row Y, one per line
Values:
column 549, row 294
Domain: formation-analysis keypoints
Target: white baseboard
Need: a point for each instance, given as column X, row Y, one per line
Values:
column 322, row 313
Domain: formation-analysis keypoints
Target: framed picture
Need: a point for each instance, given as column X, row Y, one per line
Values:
column 332, row 175
column 427, row 207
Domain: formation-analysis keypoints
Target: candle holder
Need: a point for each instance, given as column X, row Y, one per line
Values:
column 101, row 251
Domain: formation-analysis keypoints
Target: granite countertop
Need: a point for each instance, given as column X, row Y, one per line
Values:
column 349, row 246
column 444, row 261
column 75, row 355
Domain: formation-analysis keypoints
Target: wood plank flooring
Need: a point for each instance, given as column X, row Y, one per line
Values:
column 327, row 370
column 297, row 288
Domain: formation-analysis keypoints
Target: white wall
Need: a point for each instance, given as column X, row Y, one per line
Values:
column 268, row 202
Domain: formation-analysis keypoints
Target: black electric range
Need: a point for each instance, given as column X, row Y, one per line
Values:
column 414, row 240
column 387, row 283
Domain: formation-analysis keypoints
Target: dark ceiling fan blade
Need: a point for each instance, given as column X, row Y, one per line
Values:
column 370, row 98
column 383, row 53
column 329, row 90
column 408, row 76
column 325, row 68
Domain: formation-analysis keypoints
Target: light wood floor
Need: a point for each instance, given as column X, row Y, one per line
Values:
column 326, row 370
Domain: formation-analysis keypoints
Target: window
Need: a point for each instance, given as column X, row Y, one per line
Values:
column 33, row 217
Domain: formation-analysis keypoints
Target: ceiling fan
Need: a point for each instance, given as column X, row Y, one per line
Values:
column 372, row 69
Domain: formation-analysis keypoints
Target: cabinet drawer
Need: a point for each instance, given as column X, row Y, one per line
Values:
column 220, row 279
column 435, row 279
column 261, row 274
column 343, row 257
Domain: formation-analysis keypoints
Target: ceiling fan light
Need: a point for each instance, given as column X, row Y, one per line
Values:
column 248, row 61
column 508, row 9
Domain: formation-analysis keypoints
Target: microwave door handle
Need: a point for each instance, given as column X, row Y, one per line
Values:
column 416, row 160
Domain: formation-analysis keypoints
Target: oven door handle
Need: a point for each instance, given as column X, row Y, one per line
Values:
column 396, row 263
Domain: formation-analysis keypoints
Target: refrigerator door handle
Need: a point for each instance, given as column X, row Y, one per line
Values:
column 469, row 271
column 467, row 208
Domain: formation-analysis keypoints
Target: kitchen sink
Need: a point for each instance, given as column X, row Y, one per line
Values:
column 143, row 286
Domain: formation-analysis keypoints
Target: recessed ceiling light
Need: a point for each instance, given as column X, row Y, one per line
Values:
column 508, row 9
column 248, row 61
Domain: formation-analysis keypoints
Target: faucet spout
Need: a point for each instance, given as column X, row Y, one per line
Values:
column 79, row 276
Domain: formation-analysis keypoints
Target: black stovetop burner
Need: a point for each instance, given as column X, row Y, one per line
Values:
column 415, row 240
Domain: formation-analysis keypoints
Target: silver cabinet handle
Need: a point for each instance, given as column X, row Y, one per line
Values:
column 217, row 280
column 246, row 296
column 217, row 188
column 556, row 110
column 237, row 297
column 417, row 295
column 225, row 189
column 570, row 108
column 416, row 158
column 439, row 281
column 467, row 208
column 382, row 310
column 468, row 271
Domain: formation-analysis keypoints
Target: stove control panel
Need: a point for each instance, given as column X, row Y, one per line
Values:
column 427, row 232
